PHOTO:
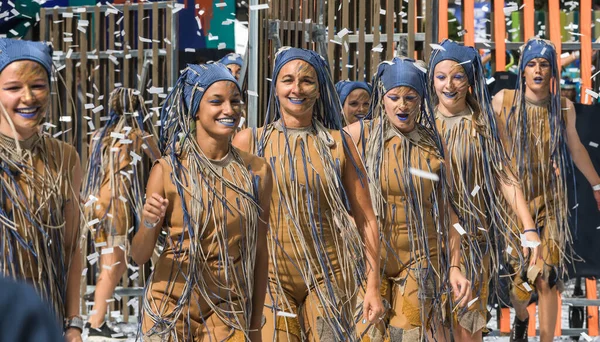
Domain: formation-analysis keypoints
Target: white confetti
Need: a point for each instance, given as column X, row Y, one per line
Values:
column 591, row 93
column 107, row 250
column 134, row 276
column 490, row 80
column 84, row 271
column 97, row 109
column 437, row 47
column 528, row 244
column 459, row 229
column 286, row 314
column 586, row 337
column 378, row 48
column 382, row 11
column 221, row 4
column 259, row 7
column 527, row 287
column 94, row 255
column 420, row 68
column 65, row 119
column 509, row 250
column 593, row 144
column 565, row 55
column 472, row 301
column 93, row 222
column 343, row 32
column 242, row 121
column 475, row 190
column 424, row 174
column 117, row 135
column 221, row 46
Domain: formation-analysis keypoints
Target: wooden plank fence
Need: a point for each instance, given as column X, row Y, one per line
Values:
column 97, row 49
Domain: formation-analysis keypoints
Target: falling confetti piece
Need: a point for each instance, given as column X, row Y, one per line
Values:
column 527, row 287
column 472, row 301
column 259, row 7
column 459, row 229
column 475, row 190
column 437, row 47
column 286, row 314
column 343, row 32
column 593, row 144
column 509, row 250
column 424, row 174
column 490, row 80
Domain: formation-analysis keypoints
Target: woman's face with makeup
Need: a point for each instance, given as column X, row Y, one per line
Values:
column 402, row 105
column 297, row 88
column 451, row 85
column 356, row 105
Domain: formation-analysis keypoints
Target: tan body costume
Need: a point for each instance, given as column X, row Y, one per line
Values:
column 202, row 285
column 408, row 209
column 542, row 188
column 475, row 196
column 39, row 180
column 315, row 249
column 119, row 193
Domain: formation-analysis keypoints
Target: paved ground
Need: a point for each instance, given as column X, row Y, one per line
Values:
column 130, row 328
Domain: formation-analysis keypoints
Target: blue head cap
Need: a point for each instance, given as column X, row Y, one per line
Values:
column 538, row 48
column 232, row 58
column 183, row 101
column 344, row 88
column 327, row 109
column 196, row 79
column 464, row 55
column 12, row 50
column 401, row 72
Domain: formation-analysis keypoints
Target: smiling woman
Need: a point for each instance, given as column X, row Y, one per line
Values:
column 212, row 200
column 319, row 256
column 39, row 246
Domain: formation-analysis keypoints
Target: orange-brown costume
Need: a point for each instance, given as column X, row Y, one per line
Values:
column 36, row 181
column 315, row 249
column 535, row 159
column 202, row 284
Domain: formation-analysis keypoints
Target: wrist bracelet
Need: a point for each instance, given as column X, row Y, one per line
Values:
column 596, row 187
column 531, row 230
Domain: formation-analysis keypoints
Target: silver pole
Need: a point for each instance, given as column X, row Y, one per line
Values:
column 253, row 61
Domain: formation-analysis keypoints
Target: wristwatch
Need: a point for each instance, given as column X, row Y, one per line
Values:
column 74, row 322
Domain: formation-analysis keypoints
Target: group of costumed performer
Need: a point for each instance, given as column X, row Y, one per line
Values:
column 40, row 177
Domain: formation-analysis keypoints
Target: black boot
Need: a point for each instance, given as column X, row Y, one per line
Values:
column 519, row 330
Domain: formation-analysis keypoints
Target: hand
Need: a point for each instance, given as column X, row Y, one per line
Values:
column 532, row 237
column 597, row 197
column 461, row 287
column 154, row 210
column 73, row 335
column 373, row 310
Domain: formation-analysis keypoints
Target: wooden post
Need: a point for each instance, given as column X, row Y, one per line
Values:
column 585, row 27
column 592, row 311
column 528, row 19
column 443, row 20
column 553, row 25
column 499, row 35
column 469, row 22
column 532, row 319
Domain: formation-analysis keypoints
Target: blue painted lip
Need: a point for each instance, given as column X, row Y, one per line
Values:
column 450, row 95
column 402, row 118
column 27, row 116
column 227, row 124
column 296, row 101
